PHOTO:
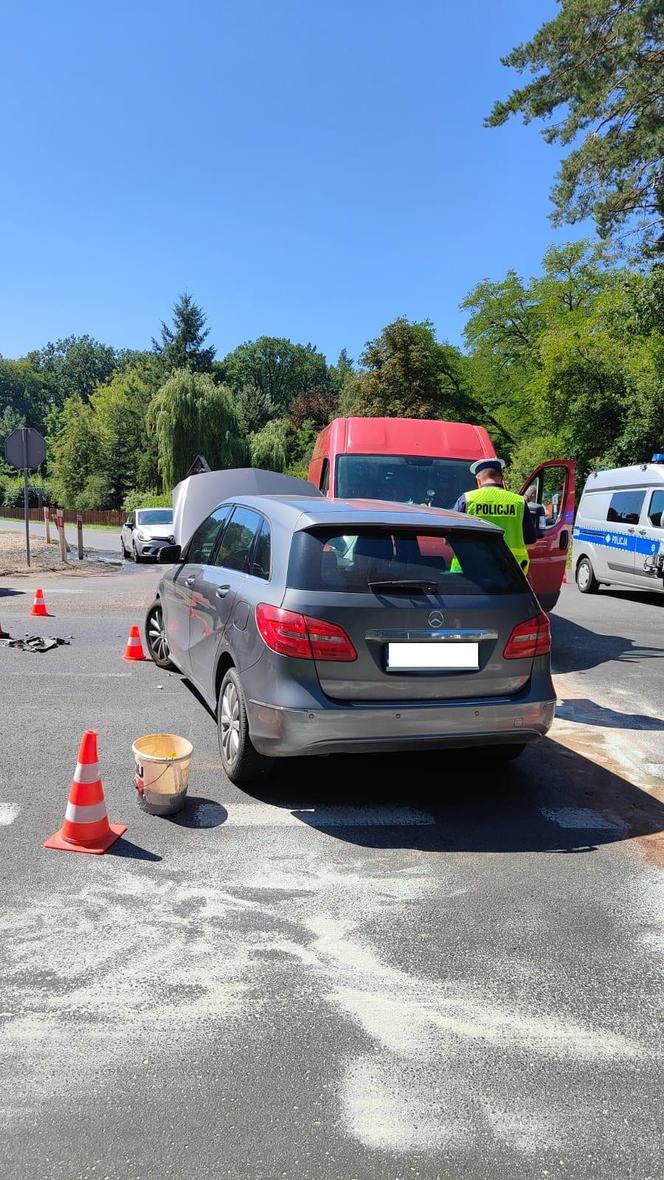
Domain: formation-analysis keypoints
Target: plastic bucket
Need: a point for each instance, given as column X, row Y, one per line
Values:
column 162, row 772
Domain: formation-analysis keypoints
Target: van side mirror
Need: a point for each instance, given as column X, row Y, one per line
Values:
column 170, row 554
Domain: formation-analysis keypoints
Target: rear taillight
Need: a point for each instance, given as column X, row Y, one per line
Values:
column 291, row 634
column 529, row 639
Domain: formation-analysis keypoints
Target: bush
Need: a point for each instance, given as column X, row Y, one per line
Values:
column 149, row 499
column 11, row 493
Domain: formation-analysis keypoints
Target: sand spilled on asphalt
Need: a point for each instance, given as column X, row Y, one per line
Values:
column 146, row 958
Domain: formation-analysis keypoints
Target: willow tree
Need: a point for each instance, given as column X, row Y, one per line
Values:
column 190, row 415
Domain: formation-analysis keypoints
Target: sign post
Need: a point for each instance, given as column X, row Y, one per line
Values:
column 79, row 530
column 25, row 448
column 47, row 522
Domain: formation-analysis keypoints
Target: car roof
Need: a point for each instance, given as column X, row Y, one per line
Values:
column 303, row 513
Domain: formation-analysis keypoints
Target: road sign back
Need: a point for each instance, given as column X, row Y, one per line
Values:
column 25, row 448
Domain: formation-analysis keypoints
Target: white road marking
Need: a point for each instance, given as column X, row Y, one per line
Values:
column 8, row 813
column 584, row 818
column 266, row 815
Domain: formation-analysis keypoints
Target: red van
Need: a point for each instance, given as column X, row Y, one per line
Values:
column 419, row 461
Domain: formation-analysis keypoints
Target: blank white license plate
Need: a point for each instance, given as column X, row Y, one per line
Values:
column 413, row 657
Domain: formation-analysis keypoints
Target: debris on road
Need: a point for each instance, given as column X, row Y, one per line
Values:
column 36, row 643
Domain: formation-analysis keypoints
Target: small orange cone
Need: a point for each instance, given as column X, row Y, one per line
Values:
column 565, row 582
column 39, row 605
column 86, row 827
column 134, row 648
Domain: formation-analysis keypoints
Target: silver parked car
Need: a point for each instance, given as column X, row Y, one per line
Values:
column 146, row 531
column 317, row 626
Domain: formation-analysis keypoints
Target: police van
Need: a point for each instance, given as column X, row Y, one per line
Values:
column 618, row 536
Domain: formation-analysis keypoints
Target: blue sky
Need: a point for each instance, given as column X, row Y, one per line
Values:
column 306, row 168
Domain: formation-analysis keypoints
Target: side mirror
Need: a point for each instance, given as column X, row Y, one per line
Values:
column 170, row 554
column 129, row 524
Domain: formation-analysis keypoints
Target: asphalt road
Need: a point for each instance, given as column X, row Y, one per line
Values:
column 377, row 968
column 92, row 538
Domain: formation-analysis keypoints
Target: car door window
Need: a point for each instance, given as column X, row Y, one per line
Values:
column 206, row 536
column 625, row 507
column 545, row 495
column 656, row 510
column 260, row 562
column 235, row 550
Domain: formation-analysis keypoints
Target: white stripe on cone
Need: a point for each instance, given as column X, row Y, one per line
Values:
column 133, row 641
column 85, row 814
column 86, row 772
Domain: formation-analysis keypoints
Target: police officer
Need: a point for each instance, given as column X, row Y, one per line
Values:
column 491, row 501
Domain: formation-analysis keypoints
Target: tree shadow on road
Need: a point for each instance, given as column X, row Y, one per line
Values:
column 576, row 648
column 551, row 800
column 588, row 712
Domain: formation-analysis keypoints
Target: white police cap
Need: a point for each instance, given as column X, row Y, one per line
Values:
column 487, row 465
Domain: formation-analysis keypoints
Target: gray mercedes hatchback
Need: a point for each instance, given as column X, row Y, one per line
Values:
column 317, row 626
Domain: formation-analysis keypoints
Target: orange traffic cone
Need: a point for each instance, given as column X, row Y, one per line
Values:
column 134, row 648
column 39, row 605
column 86, row 827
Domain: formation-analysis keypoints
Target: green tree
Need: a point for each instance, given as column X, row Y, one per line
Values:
column 182, row 346
column 277, row 368
column 191, row 415
column 253, row 408
column 75, row 453
column 407, row 373
column 22, row 391
column 599, row 86
column 73, row 367
column 271, row 447
column 128, row 455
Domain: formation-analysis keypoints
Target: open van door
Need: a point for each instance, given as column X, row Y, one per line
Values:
column 549, row 493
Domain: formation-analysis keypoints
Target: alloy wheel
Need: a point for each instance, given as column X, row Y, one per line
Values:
column 157, row 636
column 230, row 723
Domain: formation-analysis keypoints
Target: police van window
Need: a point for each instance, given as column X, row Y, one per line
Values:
column 625, row 507
column 656, row 510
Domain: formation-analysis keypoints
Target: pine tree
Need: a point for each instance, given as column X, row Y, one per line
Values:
column 182, row 345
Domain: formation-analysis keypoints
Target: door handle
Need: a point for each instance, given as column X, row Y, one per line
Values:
column 631, row 530
column 642, row 532
column 190, row 581
column 221, row 591
column 564, row 539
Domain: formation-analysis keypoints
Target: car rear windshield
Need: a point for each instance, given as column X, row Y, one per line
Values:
column 377, row 560
column 405, row 479
column 155, row 516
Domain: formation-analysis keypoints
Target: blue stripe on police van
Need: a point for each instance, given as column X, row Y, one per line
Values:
column 626, row 542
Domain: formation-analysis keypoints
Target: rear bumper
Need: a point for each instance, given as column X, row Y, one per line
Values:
column 285, row 732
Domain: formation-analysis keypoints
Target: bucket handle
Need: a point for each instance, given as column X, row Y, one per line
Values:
column 139, row 776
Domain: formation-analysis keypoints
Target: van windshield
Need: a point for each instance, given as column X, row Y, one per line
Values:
column 404, row 479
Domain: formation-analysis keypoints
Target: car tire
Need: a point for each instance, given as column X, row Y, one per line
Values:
column 155, row 637
column 585, row 577
column 241, row 762
column 135, row 556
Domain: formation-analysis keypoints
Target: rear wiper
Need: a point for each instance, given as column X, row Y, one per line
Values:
column 405, row 585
